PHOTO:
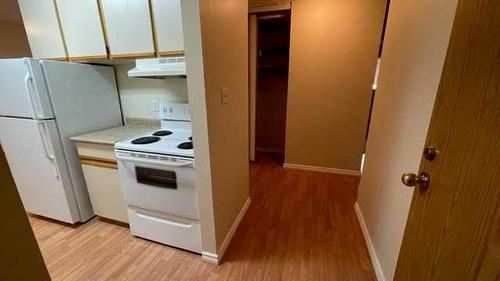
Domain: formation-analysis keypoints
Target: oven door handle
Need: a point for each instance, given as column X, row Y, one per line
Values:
column 150, row 161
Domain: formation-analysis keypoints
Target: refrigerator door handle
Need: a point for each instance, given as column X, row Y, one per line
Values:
column 46, row 146
column 35, row 100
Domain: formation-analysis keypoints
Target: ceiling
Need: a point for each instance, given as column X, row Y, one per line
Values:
column 9, row 11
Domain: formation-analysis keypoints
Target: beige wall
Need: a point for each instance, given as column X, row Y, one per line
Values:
column 333, row 55
column 415, row 47
column 13, row 43
column 197, row 101
column 224, row 27
column 216, row 53
column 137, row 94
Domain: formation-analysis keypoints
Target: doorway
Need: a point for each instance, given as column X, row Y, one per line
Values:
column 271, row 51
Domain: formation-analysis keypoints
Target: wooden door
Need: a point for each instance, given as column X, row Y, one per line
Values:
column 453, row 229
column 167, row 20
column 42, row 28
column 82, row 29
column 128, row 28
column 20, row 255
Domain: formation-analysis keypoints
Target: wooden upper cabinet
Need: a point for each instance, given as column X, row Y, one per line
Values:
column 82, row 29
column 42, row 28
column 167, row 20
column 128, row 27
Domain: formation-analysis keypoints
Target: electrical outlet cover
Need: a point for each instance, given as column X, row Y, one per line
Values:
column 175, row 111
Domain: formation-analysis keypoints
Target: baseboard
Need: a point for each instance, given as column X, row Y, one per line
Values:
column 209, row 257
column 232, row 230
column 371, row 250
column 217, row 258
column 322, row 169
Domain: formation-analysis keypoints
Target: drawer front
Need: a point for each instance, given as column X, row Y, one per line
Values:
column 100, row 151
column 168, row 230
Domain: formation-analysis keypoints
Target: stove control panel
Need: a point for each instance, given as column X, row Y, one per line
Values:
column 175, row 111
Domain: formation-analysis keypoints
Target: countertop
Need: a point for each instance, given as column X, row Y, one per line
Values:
column 112, row 135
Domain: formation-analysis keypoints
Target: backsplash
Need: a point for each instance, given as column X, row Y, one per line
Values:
column 138, row 94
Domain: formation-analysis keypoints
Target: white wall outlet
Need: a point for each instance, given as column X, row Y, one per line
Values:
column 224, row 96
column 187, row 112
column 175, row 111
column 156, row 105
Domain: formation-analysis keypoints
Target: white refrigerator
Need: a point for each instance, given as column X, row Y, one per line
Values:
column 42, row 104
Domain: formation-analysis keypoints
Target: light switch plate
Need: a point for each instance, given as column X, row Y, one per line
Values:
column 224, row 96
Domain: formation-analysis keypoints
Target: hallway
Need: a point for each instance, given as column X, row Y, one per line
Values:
column 300, row 226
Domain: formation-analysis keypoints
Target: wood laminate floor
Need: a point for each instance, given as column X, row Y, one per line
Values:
column 300, row 226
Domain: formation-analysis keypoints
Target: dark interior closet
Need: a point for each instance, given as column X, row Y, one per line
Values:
column 273, row 45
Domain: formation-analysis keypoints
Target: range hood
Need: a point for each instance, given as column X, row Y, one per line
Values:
column 159, row 68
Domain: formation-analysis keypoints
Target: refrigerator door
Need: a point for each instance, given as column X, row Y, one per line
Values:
column 37, row 164
column 85, row 99
column 23, row 92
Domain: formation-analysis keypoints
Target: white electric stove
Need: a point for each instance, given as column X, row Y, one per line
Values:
column 157, row 176
column 173, row 138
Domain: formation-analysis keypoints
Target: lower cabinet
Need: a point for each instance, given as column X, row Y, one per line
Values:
column 105, row 192
column 103, row 182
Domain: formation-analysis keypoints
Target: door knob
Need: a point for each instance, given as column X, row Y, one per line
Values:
column 430, row 153
column 411, row 179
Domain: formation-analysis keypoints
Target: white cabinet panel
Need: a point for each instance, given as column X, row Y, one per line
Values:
column 128, row 27
column 82, row 29
column 105, row 192
column 168, row 24
column 42, row 27
column 103, row 182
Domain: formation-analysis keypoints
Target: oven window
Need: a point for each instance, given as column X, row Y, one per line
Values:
column 156, row 177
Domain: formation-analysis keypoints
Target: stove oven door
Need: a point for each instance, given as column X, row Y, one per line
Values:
column 158, row 183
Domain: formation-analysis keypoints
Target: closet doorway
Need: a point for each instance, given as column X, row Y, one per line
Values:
column 269, row 57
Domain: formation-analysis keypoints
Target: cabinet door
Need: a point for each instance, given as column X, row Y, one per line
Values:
column 105, row 191
column 128, row 28
column 42, row 27
column 82, row 29
column 167, row 19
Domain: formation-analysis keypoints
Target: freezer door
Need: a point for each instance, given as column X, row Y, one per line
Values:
column 85, row 99
column 37, row 163
column 23, row 92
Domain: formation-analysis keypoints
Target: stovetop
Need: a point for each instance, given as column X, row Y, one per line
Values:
column 177, row 142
